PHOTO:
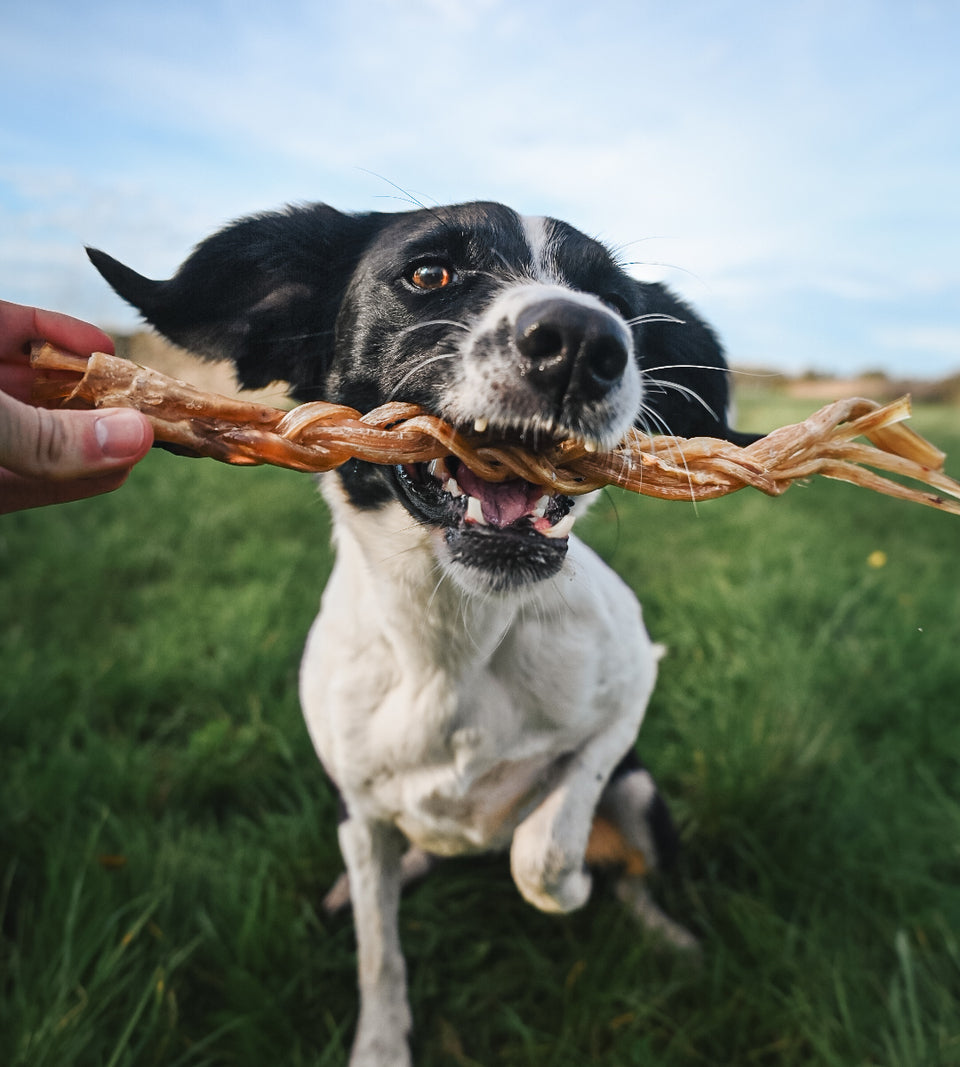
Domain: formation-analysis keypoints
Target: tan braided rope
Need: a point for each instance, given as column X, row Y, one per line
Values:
column 320, row 437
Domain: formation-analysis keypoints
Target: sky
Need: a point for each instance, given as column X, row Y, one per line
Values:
column 792, row 169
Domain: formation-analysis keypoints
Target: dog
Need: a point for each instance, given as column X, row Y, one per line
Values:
column 476, row 677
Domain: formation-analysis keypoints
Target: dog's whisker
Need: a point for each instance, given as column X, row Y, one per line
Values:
column 690, row 366
column 432, row 322
column 417, row 369
column 497, row 254
column 678, row 441
column 660, row 427
column 684, row 390
column 655, row 316
column 441, row 577
column 660, row 264
column 406, row 197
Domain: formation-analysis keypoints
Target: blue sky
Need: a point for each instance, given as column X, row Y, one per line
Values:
column 792, row 169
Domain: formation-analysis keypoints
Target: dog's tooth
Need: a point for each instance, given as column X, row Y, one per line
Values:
column 436, row 469
column 480, row 424
column 452, row 487
column 475, row 511
column 540, row 508
column 562, row 528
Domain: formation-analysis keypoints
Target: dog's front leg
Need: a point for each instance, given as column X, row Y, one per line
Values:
column 372, row 852
column 546, row 855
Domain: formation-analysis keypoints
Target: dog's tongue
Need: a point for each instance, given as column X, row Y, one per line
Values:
column 501, row 502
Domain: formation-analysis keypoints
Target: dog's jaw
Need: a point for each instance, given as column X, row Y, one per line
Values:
column 480, row 559
column 484, row 559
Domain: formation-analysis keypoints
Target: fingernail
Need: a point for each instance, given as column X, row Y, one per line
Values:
column 120, row 434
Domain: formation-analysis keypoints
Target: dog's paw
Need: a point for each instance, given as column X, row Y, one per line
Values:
column 549, row 876
column 635, row 894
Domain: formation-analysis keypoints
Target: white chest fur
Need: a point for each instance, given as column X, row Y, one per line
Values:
column 450, row 715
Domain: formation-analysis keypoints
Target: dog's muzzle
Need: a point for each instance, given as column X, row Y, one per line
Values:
column 543, row 364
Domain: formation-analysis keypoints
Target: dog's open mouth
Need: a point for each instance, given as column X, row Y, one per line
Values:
column 513, row 531
column 449, row 494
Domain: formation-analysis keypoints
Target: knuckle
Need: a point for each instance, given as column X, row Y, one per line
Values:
column 49, row 443
column 32, row 440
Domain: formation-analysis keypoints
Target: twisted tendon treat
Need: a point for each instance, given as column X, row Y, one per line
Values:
column 320, row 437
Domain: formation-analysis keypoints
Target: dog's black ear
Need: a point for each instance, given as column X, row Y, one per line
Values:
column 686, row 391
column 264, row 293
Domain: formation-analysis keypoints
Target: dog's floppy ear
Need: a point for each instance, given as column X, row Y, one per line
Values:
column 264, row 292
column 686, row 392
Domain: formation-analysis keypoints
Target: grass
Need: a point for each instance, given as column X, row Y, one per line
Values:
column 166, row 833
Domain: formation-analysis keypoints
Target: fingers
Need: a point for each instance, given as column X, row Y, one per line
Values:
column 49, row 457
column 20, row 324
column 18, row 493
column 62, row 445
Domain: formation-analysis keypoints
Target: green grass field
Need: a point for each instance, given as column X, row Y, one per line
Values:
column 166, row 833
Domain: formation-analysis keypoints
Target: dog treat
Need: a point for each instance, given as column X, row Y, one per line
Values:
column 318, row 436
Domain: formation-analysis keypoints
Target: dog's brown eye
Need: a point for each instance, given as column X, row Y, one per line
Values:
column 432, row 276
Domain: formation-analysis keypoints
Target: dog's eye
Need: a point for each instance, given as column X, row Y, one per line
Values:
column 432, row 276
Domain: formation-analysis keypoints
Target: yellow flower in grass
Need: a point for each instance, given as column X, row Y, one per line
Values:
column 877, row 559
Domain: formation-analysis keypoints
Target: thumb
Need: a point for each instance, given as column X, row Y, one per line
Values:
column 60, row 445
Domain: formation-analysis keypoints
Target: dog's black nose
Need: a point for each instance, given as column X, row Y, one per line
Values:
column 571, row 346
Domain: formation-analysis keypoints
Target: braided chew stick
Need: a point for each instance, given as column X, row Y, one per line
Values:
column 320, row 436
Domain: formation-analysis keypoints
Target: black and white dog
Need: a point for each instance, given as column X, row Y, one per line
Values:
column 476, row 677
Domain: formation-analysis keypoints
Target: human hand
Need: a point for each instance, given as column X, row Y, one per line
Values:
column 49, row 457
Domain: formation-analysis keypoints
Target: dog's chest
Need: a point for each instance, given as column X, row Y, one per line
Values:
column 455, row 753
column 451, row 719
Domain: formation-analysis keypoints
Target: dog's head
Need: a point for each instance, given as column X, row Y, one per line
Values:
column 521, row 327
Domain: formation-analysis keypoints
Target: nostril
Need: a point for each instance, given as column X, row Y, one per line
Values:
column 606, row 358
column 542, row 342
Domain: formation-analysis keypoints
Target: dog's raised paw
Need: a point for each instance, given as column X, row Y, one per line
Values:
column 548, row 876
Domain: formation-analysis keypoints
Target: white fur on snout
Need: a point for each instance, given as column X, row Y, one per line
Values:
column 490, row 384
